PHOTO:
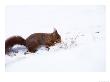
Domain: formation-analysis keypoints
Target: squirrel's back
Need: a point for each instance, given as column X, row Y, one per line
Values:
column 34, row 41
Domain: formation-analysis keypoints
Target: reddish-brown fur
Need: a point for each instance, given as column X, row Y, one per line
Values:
column 10, row 42
column 34, row 41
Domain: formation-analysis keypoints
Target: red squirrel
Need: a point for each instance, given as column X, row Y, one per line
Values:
column 34, row 41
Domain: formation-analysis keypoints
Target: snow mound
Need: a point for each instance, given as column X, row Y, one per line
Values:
column 75, row 48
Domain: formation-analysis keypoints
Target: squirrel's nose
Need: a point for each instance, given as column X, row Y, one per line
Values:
column 59, row 41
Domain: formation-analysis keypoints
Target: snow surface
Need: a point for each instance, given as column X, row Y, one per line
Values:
column 82, row 29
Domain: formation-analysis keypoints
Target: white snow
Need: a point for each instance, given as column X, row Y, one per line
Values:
column 82, row 30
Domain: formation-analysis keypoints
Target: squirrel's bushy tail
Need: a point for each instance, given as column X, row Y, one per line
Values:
column 10, row 42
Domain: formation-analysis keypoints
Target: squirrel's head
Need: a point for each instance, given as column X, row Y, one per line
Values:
column 56, row 36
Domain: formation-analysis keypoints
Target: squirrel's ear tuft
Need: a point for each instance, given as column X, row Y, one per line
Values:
column 55, row 30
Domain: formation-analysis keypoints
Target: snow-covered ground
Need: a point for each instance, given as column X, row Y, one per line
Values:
column 82, row 29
